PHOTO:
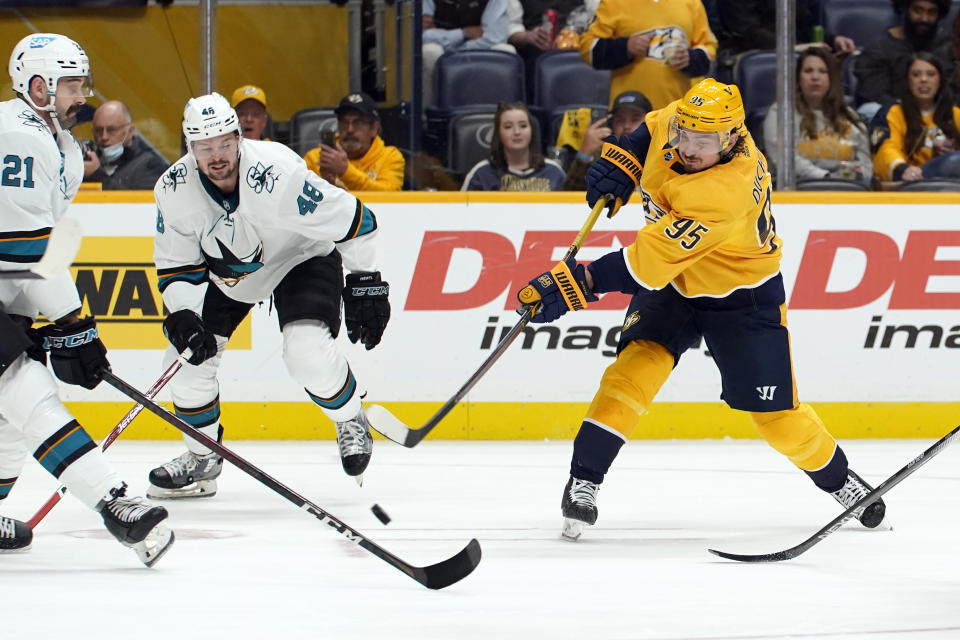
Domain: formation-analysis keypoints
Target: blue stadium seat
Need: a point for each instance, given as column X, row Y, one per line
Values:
column 930, row 184
column 831, row 185
column 862, row 20
column 306, row 126
column 756, row 75
column 470, row 82
column 562, row 78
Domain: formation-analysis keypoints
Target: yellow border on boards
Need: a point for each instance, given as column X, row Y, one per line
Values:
column 92, row 196
column 535, row 421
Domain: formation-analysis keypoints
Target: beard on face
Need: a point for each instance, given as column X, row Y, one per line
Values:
column 69, row 117
column 920, row 34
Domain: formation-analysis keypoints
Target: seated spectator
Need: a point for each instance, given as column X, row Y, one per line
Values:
column 626, row 114
column 746, row 25
column 655, row 48
column 515, row 162
column 250, row 103
column 460, row 25
column 119, row 158
column 831, row 140
column 359, row 160
column 881, row 63
column 918, row 138
column 531, row 32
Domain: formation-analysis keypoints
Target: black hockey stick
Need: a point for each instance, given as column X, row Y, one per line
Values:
column 839, row 521
column 62, row 247
column 435, row 576
column 393, row 428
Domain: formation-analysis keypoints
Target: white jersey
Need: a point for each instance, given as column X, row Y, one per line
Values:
column 39, row 177
column 280, row 215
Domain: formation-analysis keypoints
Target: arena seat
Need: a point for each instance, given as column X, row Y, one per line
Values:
column 306, row 126
column 862, row 20
column 756, row 75
column 831, row 185
column 562, row 78
column 930, row 184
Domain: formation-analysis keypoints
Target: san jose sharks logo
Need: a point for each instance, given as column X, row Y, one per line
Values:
column 31, row 119
column 260, row 178
column 176, row 175
column 229, row 267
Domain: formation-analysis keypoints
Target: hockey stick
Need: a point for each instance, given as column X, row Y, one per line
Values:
column 393, row 428
column 435, row 576
column 62, row 247
column 114, row 434
column 839, row 521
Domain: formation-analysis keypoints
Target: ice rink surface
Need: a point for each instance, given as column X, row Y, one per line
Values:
column 248, row 564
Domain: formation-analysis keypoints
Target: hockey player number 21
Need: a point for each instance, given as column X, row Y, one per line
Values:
column 12, row 166
column 308, row 201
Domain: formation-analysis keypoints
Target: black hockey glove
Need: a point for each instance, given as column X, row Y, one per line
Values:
column 366, row 309
column 76, row 352
column 616, row 172
column 563, row 288
column 184, row 329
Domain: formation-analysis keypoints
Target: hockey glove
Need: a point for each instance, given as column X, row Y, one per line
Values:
column 184, row 329
column 76, row 352
column 563, row 288
column 616, row 172
column 366, row 309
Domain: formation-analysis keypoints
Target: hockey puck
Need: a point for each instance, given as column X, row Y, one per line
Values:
column 380, row 513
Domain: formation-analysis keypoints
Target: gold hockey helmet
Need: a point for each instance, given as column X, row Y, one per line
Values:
column 711, row 107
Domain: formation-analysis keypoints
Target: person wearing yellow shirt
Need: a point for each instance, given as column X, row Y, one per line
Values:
column 918, row 137
column 705, row 267
column 650, row 46
column 359, row 160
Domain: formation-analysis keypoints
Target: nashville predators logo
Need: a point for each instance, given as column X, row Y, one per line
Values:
column 668, row 156
column 631, row 320
column 545, row 280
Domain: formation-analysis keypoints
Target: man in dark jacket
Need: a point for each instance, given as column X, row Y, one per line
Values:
column 120, row 159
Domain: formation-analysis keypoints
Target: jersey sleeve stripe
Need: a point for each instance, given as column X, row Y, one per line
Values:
column 23, row 246
column 363, row 223
column 194, row 274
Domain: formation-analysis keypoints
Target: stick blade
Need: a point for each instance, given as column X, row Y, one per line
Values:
column 62, row 248
column 763, row 557
column 391, row 427
column 452, row 570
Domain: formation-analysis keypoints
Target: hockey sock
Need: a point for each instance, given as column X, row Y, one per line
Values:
column 594, row 450
column 800, row 435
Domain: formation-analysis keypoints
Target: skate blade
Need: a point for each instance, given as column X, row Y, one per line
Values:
column 155, row 545
column 572, row 529
column 358, row 479
column 20, row 550
column 201, row 489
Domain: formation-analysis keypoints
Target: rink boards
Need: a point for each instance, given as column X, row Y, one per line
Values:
column 873, row 288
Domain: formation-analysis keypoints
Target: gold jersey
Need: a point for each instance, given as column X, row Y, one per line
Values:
column 708, row 233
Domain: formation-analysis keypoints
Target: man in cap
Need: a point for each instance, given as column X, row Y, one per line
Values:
column 250, row 103
column 359, row 159
column 626, row 114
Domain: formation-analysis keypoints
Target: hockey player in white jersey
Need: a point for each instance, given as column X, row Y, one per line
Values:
column 43, row 168
column 239, row 221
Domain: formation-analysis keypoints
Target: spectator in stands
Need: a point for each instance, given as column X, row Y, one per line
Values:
column 918, row 138
column 655, row 49
column 460, row 25
column 531, row 32
column 832, row 141
column 119, row 158
column 882, row 61
column 359, row 160
column 626, row 114
column 745, row 25
column 515, row 162
column 250, row 103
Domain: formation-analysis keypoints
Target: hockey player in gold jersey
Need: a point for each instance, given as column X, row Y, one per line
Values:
column 706, row 265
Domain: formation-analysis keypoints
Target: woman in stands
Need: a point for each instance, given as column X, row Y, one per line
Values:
column 831, row 140
column 515, row 162
column 918, row 137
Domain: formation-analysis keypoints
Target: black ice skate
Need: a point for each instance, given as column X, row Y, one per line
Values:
column 137, row 524
column 15, row 536
column 853, row 490
column 187, row 476
column 579, row 506
column 356, row 445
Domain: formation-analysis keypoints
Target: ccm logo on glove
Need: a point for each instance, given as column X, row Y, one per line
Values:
column 71, row 342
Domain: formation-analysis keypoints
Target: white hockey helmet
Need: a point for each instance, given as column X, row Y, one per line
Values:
column 208, row 116
column 50, row 56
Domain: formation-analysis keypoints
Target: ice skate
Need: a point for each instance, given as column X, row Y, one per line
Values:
column 853, row 490
column 15, row 536
column 579, row 506
column 187, row 476
column 356, row 445
column 137, row 524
